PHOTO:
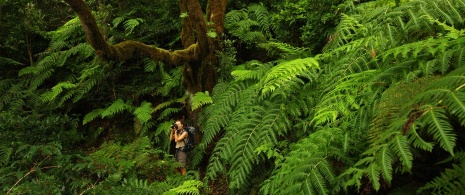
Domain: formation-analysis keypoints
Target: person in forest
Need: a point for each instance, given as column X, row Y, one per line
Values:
column 178, row 134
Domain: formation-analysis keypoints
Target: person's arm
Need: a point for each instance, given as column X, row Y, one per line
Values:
column 172, row 135
column 178, row 138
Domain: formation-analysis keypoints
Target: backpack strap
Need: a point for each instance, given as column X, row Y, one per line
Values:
column 187, row 136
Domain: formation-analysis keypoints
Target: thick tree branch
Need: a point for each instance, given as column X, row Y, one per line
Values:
column 129, row 49
column 215, row 13
column 194, row 20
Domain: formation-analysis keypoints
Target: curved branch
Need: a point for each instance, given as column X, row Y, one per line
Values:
column 128, row 49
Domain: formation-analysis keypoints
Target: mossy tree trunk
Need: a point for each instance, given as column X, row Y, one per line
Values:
column 198, row 57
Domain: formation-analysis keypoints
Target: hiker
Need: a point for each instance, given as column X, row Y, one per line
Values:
column 178, row 134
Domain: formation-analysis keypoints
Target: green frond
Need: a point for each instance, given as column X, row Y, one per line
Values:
column 439, row 127
column 144, row 112
column 171, row 81
column 385, row 164
column 256, row 72
column 92, row 115
column 306, row 169
column 5, row 154
column 116, row 107
column 262, row 16
column 460, row 56
column 283, row 50
column 400, row 147
column 131, row 24
column 373, row 175
column 168, row 112
column 279, row 75
column 417, row 141
column 56, row 90
column 169, row 103
column 200, row 99
column 40, row 78
column 150, row 65
column 118, row 20
column 451, row 181
column 8, row 61
column 188, row 187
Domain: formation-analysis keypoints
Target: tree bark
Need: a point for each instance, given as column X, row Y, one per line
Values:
column 198, row 57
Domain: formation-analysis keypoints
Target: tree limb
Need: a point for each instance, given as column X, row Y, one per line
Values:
column 129, row 49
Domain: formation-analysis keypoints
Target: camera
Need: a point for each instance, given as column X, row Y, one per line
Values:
column 174, row 126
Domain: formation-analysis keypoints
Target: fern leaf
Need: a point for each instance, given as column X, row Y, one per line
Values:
column 385, row 163
column 144, row 112
column 451, row 181
column 282, row 73
column 399, row 146
column 56, row 90
column 373, row 173
column 439, row 127
column 92, row 115
column 5, row 154
column 200, row 99
column 131, row 24
column 116, row 107
column 417, row 141
column 188, row 187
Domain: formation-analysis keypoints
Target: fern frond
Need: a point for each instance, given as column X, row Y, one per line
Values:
column 116, row 107
column 144, row 112
column 282, row 73
column 284, row 50
column 56, row 90
column 257, row 71
column 200, row 99
column 131, row 24
column 92, row 115
column 385, row 164
column 399, row 146
column 451, row 181
column 439, row 127
column 168, row 112
column 417, row 141
column 188, row 187
column 5, row 154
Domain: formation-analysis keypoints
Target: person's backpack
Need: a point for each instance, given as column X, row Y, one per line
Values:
column 189, row 140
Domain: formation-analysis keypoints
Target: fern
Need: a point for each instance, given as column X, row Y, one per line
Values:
column 5, row 154
column 306, row 169
column 131, row 24
column 440, row 128
column 188, row 187
column 143, row 113
column 285, row 74
column 116, row 107
column 200, row 99
column 451, row 181
column 56, row 90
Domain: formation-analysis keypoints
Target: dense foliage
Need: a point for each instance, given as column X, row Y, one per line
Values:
column 313, row 97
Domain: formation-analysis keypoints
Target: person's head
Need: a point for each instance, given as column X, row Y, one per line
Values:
column 179, row 123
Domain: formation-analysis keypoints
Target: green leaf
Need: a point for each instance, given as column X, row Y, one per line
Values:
column 200, row 99
column 144, row 112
